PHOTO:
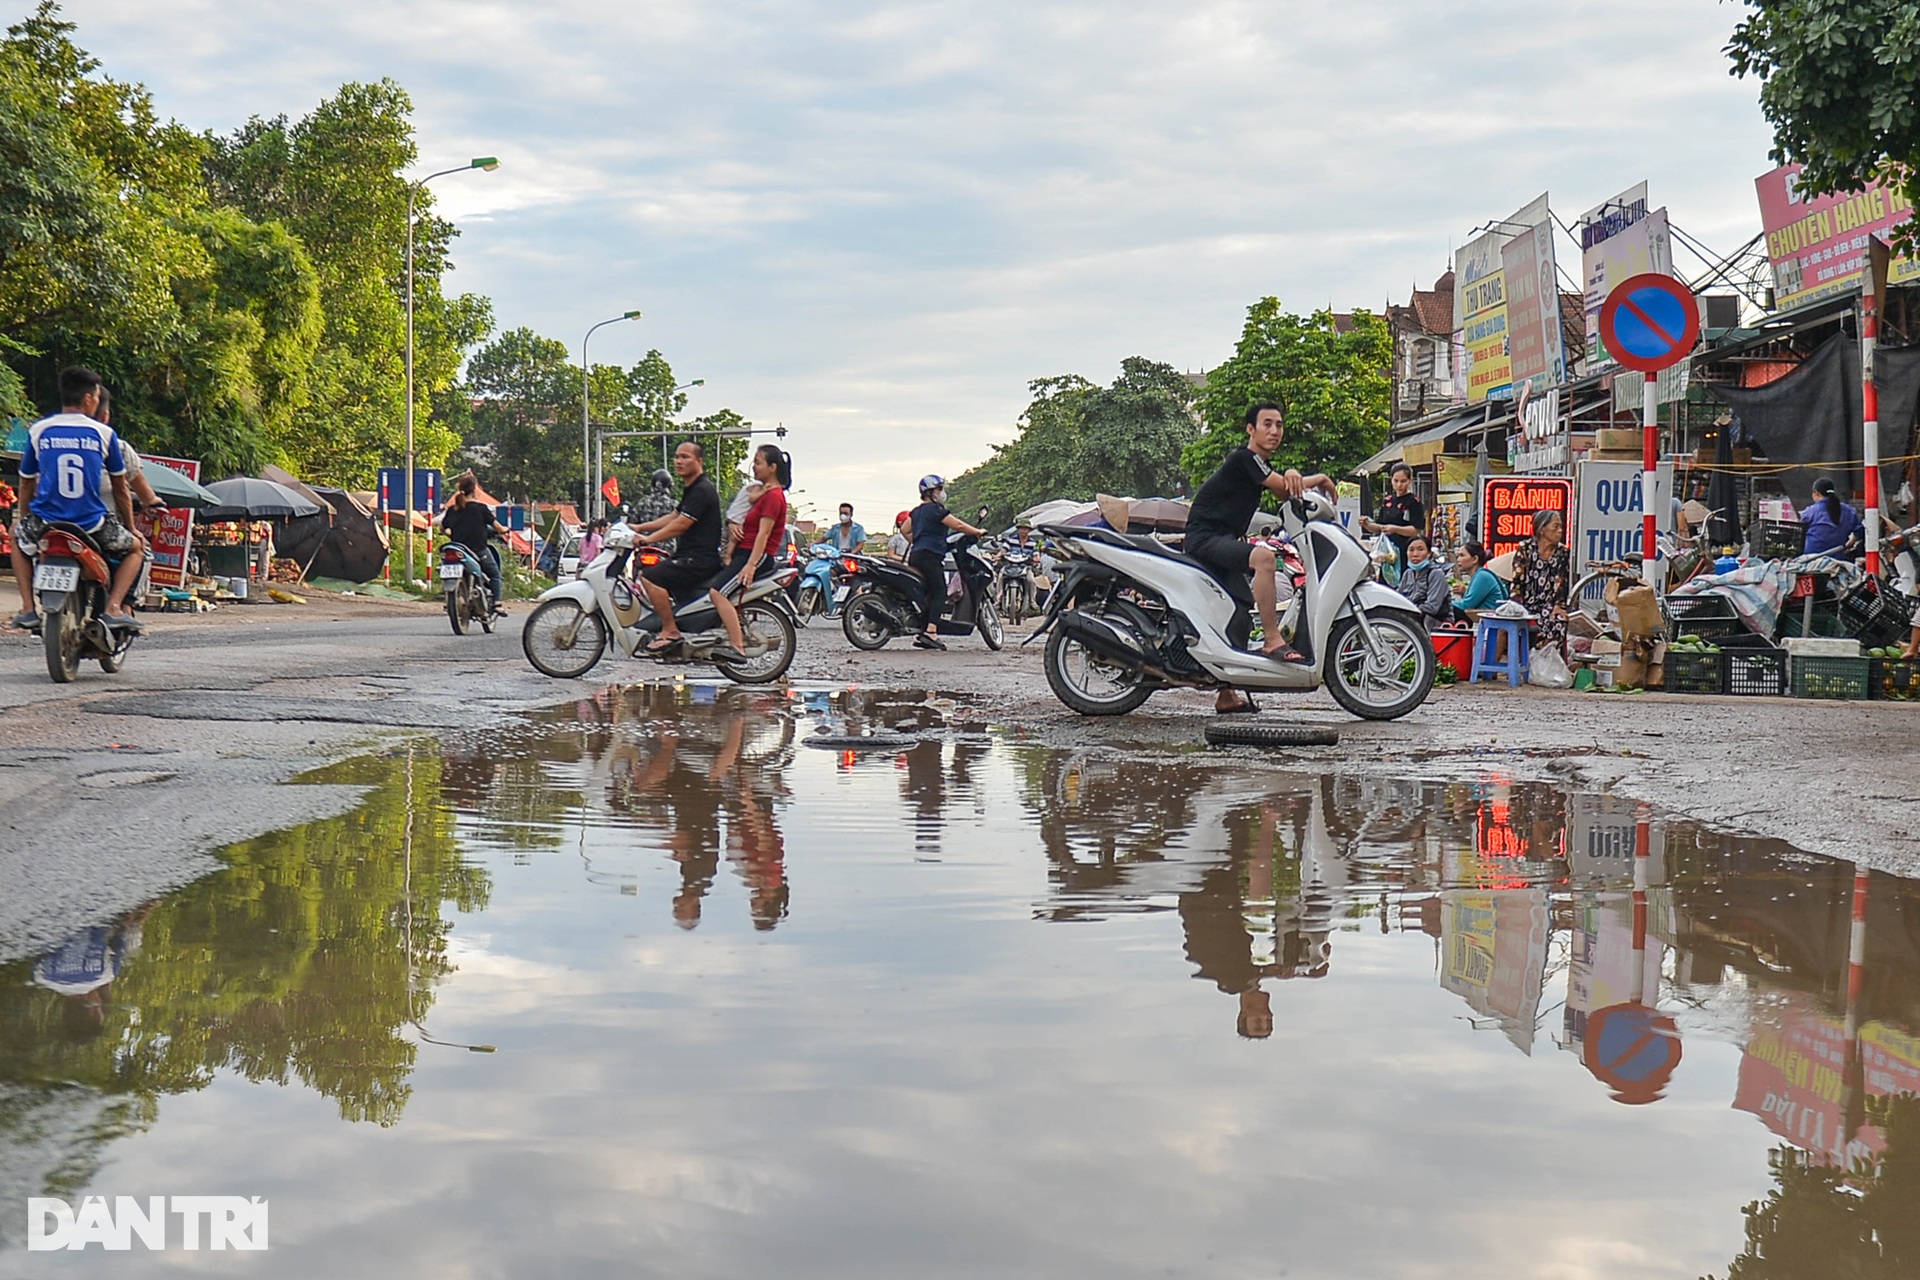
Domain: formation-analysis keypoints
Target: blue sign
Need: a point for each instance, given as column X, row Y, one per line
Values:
column 1633, row 1048
column 1650, row 322
column 427, row 487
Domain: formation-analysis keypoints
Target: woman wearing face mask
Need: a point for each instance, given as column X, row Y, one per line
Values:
column 1425, row 583
column 928, row 552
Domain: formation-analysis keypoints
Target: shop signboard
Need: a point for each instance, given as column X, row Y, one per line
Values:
column 172, row 529
column 1537, row 353
column 1509, row 504
column 1610, row 519
column 1542, row 443
column 1601, row 835
column 1818, row 244
column 1480, row 305
column 1619, row 240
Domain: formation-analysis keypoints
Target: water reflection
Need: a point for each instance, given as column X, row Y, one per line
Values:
column 621, row 869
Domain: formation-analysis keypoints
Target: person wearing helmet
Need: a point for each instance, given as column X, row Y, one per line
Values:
column 902, row 539
column 927, row 552
column 657, row 502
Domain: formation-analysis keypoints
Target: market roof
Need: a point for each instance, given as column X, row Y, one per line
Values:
column 1420, row 446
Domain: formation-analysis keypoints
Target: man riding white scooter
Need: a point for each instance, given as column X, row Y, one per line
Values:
column 1217, row 530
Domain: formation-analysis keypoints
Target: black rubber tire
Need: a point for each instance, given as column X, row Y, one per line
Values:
column 988, row 624
column 860, row 742
column 457, row 612
column 484, row 613
column 860, row 606
column 761, row 617
column 112, row 663
column 63, row 654
column 1255, row 733
column 590, row 621
column 1412, row 630
column 1062, row 684
column 807, row 606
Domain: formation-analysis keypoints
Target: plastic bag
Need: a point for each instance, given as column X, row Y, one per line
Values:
column 1547, row 669
column 1386, row 559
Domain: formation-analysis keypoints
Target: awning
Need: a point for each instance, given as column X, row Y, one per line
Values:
column 1421, row 447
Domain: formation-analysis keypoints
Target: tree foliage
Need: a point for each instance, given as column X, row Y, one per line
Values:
column 1078, row 439
column 1332, row 384
column 243, row 295
column 1840, row 84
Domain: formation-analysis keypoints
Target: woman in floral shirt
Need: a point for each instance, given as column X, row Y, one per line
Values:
column 1543, row 577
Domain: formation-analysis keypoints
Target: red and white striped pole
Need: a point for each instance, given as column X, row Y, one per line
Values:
column 1870, row 415
column 1649, row 476
column 1642, row 855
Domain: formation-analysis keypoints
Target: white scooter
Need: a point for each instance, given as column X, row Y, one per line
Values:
column 573, row 623
column 1130, row 616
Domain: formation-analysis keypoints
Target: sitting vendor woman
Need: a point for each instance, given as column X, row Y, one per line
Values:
column 1834, row 528
column 1425, row 583
column 1484, row 588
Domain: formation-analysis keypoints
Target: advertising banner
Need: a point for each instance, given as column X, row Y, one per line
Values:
column 1645, row 244
column 1480, row 305
column 1537, row 349
column 1509, row 504
column 1611, row 519
column 1818, row 245
column 171, row 532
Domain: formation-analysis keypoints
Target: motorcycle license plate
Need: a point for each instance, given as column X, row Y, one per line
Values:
column 56, row 577
column 840, row 594
column 451, row 572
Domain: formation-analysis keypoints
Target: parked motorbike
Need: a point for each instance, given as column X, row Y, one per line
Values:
column 1018, row 585
column 1130, row 616
column 819, row 595
column 574, row 623
column 886, row 598
column 469, row 598
column 71, row 580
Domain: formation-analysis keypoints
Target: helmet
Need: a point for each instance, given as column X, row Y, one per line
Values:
column 662, row 478
column 929, row 483
column 903, row 517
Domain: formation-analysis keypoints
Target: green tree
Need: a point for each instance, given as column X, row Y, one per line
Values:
column 1840, row 84
column 524, row 439
column 1077, row 440
column 1333, row 386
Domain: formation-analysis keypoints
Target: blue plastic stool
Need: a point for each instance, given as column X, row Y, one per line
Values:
column 1486, row 644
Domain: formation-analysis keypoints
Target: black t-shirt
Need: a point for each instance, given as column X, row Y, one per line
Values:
column 929, row 529
column 1405, row 509
column 469, row 526
column 700, row 504
column 1226, row 503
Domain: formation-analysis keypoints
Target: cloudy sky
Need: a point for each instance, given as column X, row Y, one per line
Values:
column 875, row 222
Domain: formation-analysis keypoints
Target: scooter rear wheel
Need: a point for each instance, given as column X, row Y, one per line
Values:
column 770, row 625
column 1091, row 684
column 867, row 621
column 60, row 632
column 457, row 611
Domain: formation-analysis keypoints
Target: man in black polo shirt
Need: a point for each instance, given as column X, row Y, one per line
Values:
column 697, row 524
column 1225, row 506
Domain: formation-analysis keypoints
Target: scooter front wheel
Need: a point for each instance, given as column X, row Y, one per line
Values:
column 807, row 605
column 991, row 629
column 1384, row 685
column 563, row 640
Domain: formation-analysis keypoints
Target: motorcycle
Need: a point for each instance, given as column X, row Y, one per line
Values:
column 71, row 579
column 573, row 624
column 1130, row 616
column 886, row 598
column 1019, row 588
column 469, row 598
column 819, row 596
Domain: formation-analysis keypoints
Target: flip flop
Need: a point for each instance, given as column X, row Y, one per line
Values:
column 1285, row 653
column 661, row 647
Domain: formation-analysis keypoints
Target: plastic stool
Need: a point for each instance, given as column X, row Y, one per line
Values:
column 1486, row 644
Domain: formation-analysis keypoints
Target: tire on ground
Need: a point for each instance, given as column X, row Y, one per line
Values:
column 1226, row 733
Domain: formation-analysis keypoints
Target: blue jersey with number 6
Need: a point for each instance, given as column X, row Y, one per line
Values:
column 70, row 457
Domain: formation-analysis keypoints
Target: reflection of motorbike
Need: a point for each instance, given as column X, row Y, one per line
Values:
column 71, row 579
column 1130, row 616
column 887, row 598
column 464, row 580
column 572, row 626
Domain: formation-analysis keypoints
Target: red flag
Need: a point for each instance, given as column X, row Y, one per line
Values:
column 611, row 489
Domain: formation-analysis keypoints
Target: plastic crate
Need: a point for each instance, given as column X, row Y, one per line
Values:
column 1755, row 673
column 1878, row 618
column 1777, row 539
column 1893, row 679
column 1695, row 672
column 1704, row 616
column 1843, row 678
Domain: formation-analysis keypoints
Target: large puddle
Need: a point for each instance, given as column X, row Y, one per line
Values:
column 649, row 987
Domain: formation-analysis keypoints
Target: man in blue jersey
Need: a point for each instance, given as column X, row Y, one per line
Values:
column 70, row 462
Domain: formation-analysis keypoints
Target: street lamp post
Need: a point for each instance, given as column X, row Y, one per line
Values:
column 489, row 163
column 589, row 473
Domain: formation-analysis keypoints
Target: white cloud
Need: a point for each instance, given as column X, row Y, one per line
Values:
column 876, row 222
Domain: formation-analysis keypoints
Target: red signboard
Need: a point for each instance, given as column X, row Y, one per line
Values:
column 1508, row 504
column 172, row 530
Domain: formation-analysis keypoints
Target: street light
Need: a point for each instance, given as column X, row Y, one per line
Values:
column 488, row 163
column 588, row 472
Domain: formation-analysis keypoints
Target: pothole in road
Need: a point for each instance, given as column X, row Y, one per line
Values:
column 126, row 777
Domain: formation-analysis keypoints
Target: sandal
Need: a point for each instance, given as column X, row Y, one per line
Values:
column 1285, row 653
column 663, row 646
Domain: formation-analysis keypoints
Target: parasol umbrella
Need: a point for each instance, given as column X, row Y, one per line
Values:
column 247, row 498
column 176, row 490
column 1058, row 511
column 1157, row 515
